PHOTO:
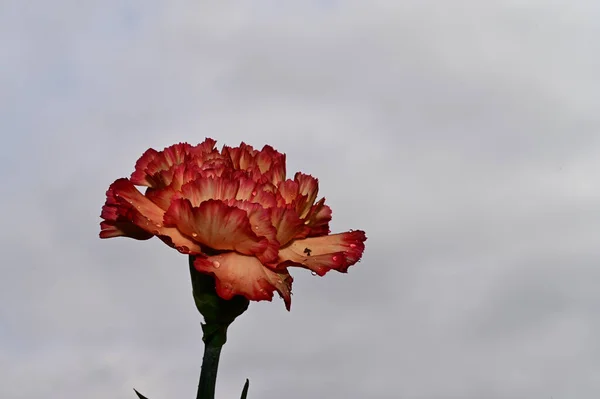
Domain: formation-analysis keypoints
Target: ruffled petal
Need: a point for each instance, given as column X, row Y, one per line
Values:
column 267, row 157
column 155, row 169
column 247, row 187
column 123, row 228
column 205, row 188
column 118, row 219
column 308, row 188
column 237, row 274
column 271, row 164
column 242, row 157
column 216, row 225
column 160, row 169
column 201, row 150
column 289, row 226
column 140, row 176
column 287, row 191
column 321, row 254
column 265, row 199
column 260, row 220
column 162, row 196
column 124, row 203
column 318, row 219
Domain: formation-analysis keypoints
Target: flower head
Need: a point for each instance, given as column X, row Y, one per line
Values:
column 235, row 212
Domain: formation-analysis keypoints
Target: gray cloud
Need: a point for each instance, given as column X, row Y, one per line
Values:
column 461, row 136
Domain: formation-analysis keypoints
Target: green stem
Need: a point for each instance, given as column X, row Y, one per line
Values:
column 218, row 314
column 208, row 374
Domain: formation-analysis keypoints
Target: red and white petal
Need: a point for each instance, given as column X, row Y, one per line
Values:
column 171, row 156
column 125, row 203
column 318, row 219
column 308, row 187
column 216, row 225
column 140, row 176
column 233, row 154
column 260, row 220
column 287, row 191
column 172, row 176
column 289, row 226
column 205, row 188
column 122, row 191
column 118, row 220
column 271, row 164
column 247, row 154
column 321, row 254
column 265, row 198
column 237, row 274
column 276, row 174
column 242, row 157
column 201, row 150
column 123, row 228
column 267, row 157
column 162, row 196
column 216, row 166
column 247, row 188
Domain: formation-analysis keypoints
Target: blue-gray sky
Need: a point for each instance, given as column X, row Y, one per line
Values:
column 462, row 136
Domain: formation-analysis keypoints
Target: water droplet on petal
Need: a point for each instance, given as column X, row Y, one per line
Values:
column 253, row 192
column 216, row 264
column 194, row 234
column 158, row 225
column 313, row 273
column 352, row 245
column 335, row 258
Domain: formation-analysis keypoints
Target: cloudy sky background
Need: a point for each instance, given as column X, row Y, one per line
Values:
column 462, row 136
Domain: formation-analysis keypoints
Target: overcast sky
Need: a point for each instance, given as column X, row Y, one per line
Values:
column 462, row 136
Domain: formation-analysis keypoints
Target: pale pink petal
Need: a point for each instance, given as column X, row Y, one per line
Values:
column 321, row 254
column 237, row 274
